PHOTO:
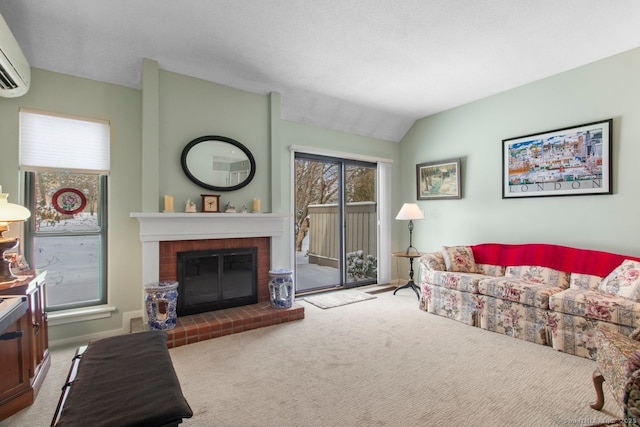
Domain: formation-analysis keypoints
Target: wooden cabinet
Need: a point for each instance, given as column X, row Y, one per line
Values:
column 14, row 368
column 24, row 361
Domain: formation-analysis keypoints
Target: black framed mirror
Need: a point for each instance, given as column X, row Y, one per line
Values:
column 218, row 163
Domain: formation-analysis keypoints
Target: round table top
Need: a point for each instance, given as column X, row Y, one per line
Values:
column 404, row 254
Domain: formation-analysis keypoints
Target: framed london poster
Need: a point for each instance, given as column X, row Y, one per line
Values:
column 438, row 180
column 571, row 161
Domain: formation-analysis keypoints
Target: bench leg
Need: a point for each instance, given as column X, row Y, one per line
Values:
column 598, row 379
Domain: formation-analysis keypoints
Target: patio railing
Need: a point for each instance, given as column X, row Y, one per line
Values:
column 360, row 232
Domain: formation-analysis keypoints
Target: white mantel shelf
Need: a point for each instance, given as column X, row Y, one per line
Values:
column 160, row 226
column 156, row 227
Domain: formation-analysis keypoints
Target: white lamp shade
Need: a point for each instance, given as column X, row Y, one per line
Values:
column 410, row 211
column 10, row 212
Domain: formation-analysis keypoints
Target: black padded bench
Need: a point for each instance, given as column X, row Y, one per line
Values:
column 127, row 380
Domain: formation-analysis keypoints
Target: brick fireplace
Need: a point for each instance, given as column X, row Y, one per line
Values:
column 169, row 257
column 163, row 235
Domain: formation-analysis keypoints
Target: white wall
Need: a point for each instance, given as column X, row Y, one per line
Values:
column 606, row 89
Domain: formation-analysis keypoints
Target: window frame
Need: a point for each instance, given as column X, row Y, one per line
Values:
column 30, row 235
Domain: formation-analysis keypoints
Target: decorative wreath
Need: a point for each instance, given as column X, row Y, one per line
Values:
column 69, row 201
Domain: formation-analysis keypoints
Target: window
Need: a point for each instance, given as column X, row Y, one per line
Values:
column 65, row 163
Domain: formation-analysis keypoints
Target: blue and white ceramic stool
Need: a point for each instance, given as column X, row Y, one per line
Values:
column 160, row 300
column 281, row 290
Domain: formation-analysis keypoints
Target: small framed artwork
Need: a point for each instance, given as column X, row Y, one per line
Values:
column 210, row 203
column 572, row 161
column 69, row 201
column 438, row 180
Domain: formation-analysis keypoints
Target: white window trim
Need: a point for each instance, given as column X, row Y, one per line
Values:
column 82, row 314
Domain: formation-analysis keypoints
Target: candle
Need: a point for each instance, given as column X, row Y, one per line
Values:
column 168, row 203
column 256, row 205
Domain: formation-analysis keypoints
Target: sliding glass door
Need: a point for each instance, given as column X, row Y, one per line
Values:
column 360, row 224
column 336, row 223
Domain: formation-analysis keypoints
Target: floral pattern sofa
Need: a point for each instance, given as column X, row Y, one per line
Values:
column 618, row 364
column 547, row 294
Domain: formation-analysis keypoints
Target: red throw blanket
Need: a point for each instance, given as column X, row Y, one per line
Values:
column 563, row 258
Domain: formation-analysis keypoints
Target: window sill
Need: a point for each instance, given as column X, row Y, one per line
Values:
column 79, row 315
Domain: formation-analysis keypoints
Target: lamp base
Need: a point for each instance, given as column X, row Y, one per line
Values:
column 5, row 265
column 411, row 240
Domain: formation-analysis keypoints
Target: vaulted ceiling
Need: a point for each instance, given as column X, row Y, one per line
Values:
column 369, row 67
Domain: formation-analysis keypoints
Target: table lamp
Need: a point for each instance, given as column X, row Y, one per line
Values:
column 410, row 211
column 9, row 212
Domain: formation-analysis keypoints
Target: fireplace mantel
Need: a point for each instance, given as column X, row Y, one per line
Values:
column 156, row 227
column 196, row 226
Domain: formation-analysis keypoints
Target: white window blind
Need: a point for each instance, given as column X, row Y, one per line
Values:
column 49, row 141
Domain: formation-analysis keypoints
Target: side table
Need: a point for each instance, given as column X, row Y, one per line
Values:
column 410, row 283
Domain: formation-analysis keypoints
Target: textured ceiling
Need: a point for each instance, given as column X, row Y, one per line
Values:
column 369, row 67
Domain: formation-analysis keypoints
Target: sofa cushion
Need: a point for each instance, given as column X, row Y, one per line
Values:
column 624, row 281
column 516, row 290
column 596, row 305
column 490, row 270
column 433, row 261
column 459, row 258
column 584, row 281
column 535, row 274
column 466, row 282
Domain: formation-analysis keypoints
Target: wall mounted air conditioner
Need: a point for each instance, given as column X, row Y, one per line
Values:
column 15, row 73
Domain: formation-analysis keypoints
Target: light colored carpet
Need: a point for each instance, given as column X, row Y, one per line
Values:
column 379, row 363
column 338, row 298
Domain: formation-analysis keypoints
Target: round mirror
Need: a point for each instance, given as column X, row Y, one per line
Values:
column 218, row 163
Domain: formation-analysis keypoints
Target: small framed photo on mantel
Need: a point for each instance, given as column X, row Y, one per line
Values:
column 438, row 180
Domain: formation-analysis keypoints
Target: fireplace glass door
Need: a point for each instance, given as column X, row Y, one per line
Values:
column 215, row 279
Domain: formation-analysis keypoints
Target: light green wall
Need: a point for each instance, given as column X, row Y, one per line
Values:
column 190, row 108
column 150, row 168
column 162, row 117
column 606, row 89
column 63, row 94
